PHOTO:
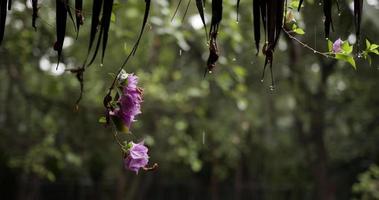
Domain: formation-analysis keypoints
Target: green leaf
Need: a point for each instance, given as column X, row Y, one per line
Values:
column 352, row 62
column 294, row 27
column 294, row 4
column 347, row 48
column 374, row 46
column 368, row 44
column 375, row 51
column 102, row 120
column 330, row 46
column 113, row 17
column 299, row 31
column 347, row 58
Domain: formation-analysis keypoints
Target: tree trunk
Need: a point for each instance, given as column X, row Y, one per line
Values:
column 312, row 140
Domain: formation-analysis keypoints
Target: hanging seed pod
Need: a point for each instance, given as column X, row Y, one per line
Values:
column 35, row 13
column 274, row 16
column 263, row 6
column 78, row 15
column 96, row 9
column 256, row 21
column 279, row 19
column 95, row 23
column 105, row 23
column 97, row 47
column 327, row 7
column 300, row 3
column 200, row 9
column 61, row 19
column 9, row 4
column 70, row 14
column 358, row 7
column 3, row 16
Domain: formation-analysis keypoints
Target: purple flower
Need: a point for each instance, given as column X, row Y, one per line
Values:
column 129, row 102
column 337, row 46
column 137, row 157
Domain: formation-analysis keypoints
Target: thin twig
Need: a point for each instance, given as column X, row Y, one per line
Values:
column 326, row 54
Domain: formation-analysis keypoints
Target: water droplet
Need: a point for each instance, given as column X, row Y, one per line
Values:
column 234, row 59
column 180, row 52
column 272, row 88
column 237, row 22
column 320, row 4
column 262, row 80
column 339, row 13
column 210, row 71
column 359, row 55
column 314, row 51
column 101, row 64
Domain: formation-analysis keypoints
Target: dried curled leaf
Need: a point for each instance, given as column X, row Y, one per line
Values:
column 213, row 32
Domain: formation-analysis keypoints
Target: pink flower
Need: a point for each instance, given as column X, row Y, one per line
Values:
column 130, row 101
column 337, row 46
column 137, row 157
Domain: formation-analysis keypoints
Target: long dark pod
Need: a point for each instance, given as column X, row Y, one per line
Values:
column 3, row 16
column 300, row 3
column 263, row 7
column 279, row 20
column 68, row 8
column 9, row 4
column 35, row 13
column 271, row 23
column 200, row 9
column 327, row 7
column 216, row 15
column 78, row 15
column 97, row 47
column 358, row 7
column 145, row 18
column 257, row 24
column 268, row 49
column 96, row 9
column 61, row 19
column 106, row 21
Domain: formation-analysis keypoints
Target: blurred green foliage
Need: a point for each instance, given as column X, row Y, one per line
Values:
column 368, row 184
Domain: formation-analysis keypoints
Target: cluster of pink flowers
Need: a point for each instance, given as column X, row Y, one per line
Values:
column 128, row 106
column 129, row 102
